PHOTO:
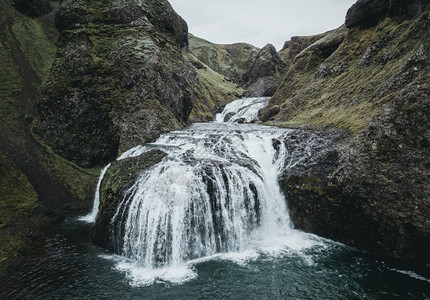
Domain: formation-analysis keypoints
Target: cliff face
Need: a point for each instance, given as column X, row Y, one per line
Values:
column 35, row 183
column 118, row 79
column 370, row 189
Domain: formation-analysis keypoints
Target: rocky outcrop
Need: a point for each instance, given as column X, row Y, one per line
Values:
column 372, row 191
column 367, row 13
column 263, row 75
column 118, row 179
column 119, row 80
column 298, row 43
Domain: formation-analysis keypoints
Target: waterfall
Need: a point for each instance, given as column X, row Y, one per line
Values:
column 245, row 109
column 215, row 192
column 91, row 217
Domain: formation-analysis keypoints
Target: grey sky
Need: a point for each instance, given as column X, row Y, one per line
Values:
column 260, row 22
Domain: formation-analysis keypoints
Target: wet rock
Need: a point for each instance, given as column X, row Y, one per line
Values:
column 265, row 114
column 228, row 116
column 120, row 176
column 241, row 120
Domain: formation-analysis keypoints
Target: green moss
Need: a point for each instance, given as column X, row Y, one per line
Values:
column 17, row 196
column 18, row 200
column 35, row 45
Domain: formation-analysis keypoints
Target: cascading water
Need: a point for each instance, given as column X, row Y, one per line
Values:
column 245, row 109
column 215, row 192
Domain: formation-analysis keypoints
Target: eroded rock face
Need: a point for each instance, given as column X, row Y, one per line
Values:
column 119, row 79
column 262, row 77
column 367, row 13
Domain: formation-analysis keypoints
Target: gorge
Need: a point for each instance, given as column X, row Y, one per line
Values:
column 334, row 142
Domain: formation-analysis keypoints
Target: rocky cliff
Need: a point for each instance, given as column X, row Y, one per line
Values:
column 35, row 183
column 119, row 79
column 370, row 188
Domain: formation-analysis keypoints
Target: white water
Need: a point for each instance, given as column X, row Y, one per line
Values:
column 215, row 194
column 92, row 216
column 246, row 109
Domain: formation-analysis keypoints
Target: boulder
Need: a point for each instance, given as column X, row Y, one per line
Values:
column 265, row 114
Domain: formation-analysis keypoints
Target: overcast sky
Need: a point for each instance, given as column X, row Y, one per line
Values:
column 259, row 22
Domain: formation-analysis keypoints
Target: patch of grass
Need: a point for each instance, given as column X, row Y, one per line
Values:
column 17, row 196
column 35, row 46
column 229, row 60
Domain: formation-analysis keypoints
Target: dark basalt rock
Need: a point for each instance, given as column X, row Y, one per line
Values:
column 367, row 13
column 299, row 43
column 228, row 116
column 119, row 79
column 262, row 77
column 120, row 176
column 33, row 8
column 263, row 87
column 71, row 15
column 265, row 114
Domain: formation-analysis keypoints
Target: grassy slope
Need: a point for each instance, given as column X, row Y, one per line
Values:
column 230, row 61
column 351, row 98
column 26, row 167
column 213, row 90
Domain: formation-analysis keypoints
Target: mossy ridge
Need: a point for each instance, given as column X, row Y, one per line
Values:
column 350, row 99
column 212, row 90
column 232, row 61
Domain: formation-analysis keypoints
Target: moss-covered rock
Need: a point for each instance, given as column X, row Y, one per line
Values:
column 119, row 178
column 371, row 190
column 121, row 77
column 118, row 80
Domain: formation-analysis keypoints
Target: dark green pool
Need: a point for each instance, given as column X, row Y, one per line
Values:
column 66, row 265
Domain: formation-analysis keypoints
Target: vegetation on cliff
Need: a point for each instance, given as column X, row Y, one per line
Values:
column 34, row 182
column 369, row 189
